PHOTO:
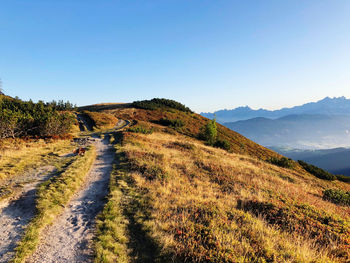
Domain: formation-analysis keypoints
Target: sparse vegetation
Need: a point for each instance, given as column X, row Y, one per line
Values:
column 157, row 103
column 337, row 196
column 316, row 171
column 52, row 196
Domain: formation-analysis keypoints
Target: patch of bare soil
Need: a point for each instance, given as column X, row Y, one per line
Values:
column 69, row 239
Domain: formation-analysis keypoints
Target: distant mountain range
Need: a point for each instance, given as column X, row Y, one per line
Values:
column 297, row 131
column 327, row 106
column 316, row 125
column 336, row 161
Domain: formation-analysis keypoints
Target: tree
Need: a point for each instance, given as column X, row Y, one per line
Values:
column 210, row 132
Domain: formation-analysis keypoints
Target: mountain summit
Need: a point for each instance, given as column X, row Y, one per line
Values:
column 326, row 106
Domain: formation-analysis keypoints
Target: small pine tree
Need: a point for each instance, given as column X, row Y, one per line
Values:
column 210, row 132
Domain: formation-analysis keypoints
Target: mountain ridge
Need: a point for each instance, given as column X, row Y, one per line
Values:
column 326, row 106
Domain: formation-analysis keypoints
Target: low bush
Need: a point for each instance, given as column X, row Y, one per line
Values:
column 172, row 123
column 223, row 144
column 318, row 172
column 337, row 196
column 282, row 162
column 141, row 129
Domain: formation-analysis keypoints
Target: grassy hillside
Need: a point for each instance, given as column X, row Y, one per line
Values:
column 173, row 198
column 195, row 203
column 192, row 123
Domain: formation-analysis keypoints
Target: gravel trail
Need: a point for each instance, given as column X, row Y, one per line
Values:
column 69, row 238
column 17, row 212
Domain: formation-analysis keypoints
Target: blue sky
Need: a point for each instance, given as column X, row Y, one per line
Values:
column 208, row 55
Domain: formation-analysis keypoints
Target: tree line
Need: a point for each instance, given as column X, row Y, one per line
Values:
column 157, row 103
column 25, row 118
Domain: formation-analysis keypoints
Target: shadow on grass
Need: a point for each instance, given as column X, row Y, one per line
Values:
column 143, row 248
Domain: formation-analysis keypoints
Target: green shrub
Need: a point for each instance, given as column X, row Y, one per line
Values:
column 282, row 162
column 172, row 123
column 140, row 129
column 157, row 103
column 25, row 118
column 223, row 144
column 316, row 171
column 337, row 196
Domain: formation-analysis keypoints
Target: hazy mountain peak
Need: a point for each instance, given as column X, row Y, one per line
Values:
column 326, row 106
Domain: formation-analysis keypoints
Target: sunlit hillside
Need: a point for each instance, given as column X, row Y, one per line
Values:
column 191, row 202
column 151, row 181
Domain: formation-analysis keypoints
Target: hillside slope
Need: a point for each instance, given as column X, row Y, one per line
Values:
column 192, row 123
column 173, row 198
column 183, row 201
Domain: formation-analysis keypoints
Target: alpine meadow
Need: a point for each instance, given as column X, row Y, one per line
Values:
column 174, row 131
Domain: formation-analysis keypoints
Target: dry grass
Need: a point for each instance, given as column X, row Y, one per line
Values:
column 52, row 196
column 17, row 156
column 102, row 120
column 208, row 205
column 192, row 125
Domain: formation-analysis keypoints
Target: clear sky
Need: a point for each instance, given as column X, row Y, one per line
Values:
column 208, row 55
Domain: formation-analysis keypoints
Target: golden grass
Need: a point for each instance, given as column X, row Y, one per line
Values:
column 102, row 120
column 22, row 156
column 208, row 205
column 52, row 196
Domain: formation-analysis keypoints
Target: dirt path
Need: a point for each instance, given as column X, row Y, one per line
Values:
column 122, row 124
column 16, row 212
column 69, row 238
column 84, row 123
